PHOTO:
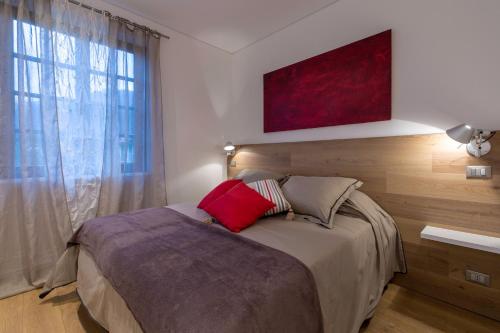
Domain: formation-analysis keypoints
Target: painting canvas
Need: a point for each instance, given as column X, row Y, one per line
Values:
column 348, row 85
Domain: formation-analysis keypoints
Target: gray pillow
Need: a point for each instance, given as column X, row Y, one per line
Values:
column 319, row 197
column 253, row 175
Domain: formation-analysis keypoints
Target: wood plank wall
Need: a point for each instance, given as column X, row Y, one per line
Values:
column 420, row 180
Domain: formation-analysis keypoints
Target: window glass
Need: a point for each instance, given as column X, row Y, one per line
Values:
column 27, row 39
column 65, row 83
column 97, row 84
column 98, row 57
column 83, row 71
column 64, row 49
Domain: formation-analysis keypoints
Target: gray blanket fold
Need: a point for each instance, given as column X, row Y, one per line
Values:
column 179, row 275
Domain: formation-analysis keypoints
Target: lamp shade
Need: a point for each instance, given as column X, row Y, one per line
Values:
column 229, row 146
column 461, row 133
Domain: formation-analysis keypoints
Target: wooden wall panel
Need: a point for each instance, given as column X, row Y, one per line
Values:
column 420, row 180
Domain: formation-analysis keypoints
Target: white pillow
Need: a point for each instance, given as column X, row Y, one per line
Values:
column 270, row 189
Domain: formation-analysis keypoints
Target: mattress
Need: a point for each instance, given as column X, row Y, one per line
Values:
column 343, row 261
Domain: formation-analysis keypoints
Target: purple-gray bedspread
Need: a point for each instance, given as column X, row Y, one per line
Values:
column 179, row 275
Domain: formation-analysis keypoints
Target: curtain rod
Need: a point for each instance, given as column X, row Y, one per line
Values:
column 120, row 19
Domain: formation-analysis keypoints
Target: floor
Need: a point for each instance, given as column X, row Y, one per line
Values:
column 60, row 312
column 400, row 310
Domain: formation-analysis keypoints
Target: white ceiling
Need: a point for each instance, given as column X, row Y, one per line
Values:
column 227, row 24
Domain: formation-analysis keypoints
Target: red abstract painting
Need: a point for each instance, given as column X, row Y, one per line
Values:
column 349, row 85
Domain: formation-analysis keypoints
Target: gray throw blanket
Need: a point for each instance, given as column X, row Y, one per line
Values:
column 179, row 275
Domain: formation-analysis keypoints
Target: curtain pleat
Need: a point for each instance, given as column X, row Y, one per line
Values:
column 34, row 220
column 133, row 122
column 81, row 129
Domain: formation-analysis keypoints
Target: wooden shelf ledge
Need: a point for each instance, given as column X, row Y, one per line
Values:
column 461, row 238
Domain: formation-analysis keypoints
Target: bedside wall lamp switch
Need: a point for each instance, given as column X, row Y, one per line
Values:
column 478, row 172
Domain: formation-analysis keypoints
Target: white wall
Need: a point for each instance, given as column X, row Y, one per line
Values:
column 197, row 84
column 196, row 81
column 446, row 70
column 446, row 66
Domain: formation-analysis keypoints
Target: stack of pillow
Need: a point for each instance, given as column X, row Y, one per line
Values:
column 239, row 202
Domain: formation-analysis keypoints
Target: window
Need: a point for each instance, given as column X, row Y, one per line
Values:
column 126, row 109
column 27, row 98
column 94, row 85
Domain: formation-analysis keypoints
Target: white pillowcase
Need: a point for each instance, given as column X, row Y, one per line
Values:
column 270, row 189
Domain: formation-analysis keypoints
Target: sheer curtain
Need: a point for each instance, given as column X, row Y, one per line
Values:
column 80, row 129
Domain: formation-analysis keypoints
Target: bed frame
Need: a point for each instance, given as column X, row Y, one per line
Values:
column 420, row 180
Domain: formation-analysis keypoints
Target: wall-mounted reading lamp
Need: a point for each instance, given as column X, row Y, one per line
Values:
column 476, row 139
column 229, row 148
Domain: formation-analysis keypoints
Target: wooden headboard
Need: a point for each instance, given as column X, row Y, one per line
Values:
column 419, row 180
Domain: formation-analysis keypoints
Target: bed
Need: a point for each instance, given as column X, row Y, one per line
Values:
column 350, row 264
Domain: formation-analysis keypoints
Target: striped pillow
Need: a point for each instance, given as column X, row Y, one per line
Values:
column 270, row 189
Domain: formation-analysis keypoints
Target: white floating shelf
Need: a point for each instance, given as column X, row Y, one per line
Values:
column 460, row 238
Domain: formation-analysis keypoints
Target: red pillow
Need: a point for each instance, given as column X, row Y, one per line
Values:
column 221, row 189
column 239, row 208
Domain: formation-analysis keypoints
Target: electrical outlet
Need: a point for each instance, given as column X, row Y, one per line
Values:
column 476, row 277
column 232, row 164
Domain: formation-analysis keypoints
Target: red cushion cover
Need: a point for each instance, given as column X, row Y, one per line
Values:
column 239, row 208
column 221, row 189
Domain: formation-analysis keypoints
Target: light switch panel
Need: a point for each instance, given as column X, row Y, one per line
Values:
column 478, row 172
